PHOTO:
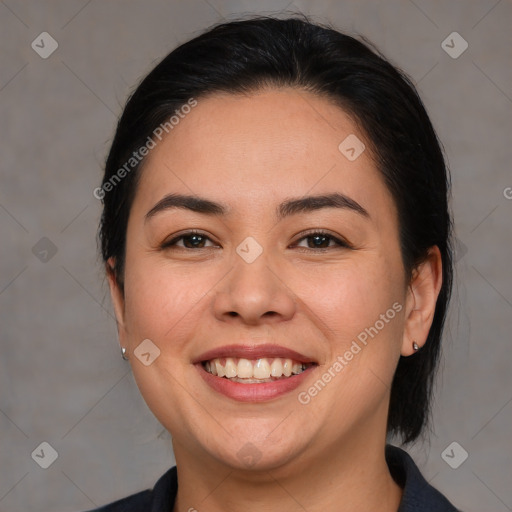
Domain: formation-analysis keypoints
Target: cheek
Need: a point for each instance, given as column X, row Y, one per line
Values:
column 159, row 299
column 363, row 308
column 168, row 303
column 351, row 298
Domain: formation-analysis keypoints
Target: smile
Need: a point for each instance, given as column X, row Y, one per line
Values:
column 254, row 373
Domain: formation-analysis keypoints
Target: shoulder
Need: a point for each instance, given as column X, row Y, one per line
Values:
column 159, row 499
column 134, row 503
column 418, row 494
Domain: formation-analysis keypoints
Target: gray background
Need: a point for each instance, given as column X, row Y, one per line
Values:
column 62, row 379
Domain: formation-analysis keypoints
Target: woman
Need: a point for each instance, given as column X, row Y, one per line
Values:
column 276, row 235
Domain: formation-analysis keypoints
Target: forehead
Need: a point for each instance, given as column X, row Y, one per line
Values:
column 254, row 148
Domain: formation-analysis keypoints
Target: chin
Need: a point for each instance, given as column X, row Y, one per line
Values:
column 255, row 456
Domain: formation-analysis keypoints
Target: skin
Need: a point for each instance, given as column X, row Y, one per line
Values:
column 251, row 153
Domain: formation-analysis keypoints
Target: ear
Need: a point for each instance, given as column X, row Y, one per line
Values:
column 421, row 300
column 117, row 296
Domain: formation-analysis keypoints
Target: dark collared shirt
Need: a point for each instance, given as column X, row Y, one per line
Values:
column 418, row 495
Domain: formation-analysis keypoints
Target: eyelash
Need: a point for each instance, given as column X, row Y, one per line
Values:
column 341, row 244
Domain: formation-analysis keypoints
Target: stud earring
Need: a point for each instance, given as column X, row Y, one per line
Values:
column 123, row 353
column 415, row 346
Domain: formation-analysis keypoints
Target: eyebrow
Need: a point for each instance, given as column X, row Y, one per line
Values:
column 285, row 209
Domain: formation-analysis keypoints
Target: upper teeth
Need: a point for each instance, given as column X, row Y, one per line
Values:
column 264, row 368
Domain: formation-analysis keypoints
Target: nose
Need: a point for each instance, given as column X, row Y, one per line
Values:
column 254, row 293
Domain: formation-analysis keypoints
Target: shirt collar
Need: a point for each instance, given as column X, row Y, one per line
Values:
column 418, row 494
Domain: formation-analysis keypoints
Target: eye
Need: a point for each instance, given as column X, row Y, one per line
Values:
column 314, row 240
column 190, row 239
column 321, row 240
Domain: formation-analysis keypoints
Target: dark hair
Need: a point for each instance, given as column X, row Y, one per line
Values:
column 244, row 56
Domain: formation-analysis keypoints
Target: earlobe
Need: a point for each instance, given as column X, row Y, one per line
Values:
column 421, row 301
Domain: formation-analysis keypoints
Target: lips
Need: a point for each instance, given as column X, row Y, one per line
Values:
column 253, row 352
column 254, row 373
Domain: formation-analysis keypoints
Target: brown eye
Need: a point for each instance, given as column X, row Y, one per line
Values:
column 194, row 241
column 190, row 240
column 321, row 240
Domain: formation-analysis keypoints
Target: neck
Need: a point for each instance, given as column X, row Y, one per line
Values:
column 352, row 475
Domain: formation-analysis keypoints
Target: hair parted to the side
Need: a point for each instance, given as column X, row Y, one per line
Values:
column 244, row 56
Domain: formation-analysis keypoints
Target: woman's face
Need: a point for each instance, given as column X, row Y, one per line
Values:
column 254, row 287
